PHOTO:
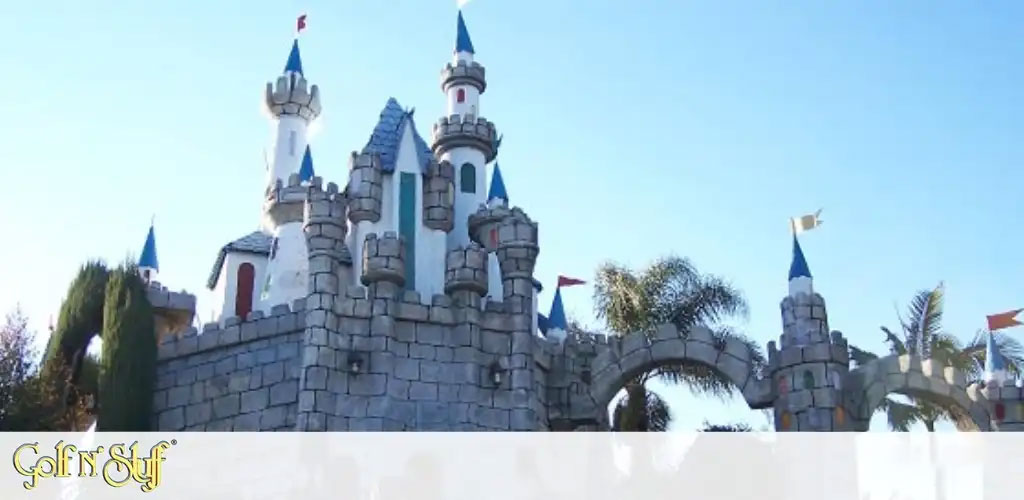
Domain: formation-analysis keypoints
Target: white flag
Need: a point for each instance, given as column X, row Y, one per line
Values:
column 805, row 222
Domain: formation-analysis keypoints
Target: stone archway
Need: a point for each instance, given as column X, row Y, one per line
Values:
column 921, row 378
column 623, row 359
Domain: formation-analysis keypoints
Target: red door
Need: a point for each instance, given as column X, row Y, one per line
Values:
column 243, row 292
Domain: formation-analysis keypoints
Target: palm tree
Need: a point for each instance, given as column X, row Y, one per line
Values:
column 670, row 290
column 922, row 335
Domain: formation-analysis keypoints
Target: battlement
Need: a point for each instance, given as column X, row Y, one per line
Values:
column 365, row 187
column 804, row 320
column 1006, row 403
column 455, row 131
column 465, row 277
column 290, row 97
column 384, row 263
column 439, row 196
column 463, row 73
column 284, row 203
column 173, row 311
column 483, row 225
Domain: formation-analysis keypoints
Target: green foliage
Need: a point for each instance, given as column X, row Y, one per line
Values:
column 32, row 399
column 127, row 369
column 81, row 316
column 641, row 410
column 671, row 290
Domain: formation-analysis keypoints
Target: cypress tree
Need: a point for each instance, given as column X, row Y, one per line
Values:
column 81, row 315
column 128, row 363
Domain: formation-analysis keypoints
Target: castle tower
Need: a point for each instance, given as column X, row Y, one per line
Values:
column 810, row 363
column 287, row 274
column 148, row 265
column 292, row 106
column 463, row 138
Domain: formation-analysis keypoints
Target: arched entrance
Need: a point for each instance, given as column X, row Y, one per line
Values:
column 925, row 379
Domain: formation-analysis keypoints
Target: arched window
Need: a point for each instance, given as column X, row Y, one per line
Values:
column 467, row 178
column 808, row 380
column 460, row 95
column 243, row 290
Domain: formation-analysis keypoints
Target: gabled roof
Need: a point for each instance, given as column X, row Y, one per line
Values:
column 462, row 41
column 148, row 258
column 799, row 266
column 387, row 137
column 253, row 243
column 306, row 170
column 497, row 190
column 294, row 61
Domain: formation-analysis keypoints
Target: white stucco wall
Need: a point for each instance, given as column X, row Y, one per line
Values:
column 286, row 157
column 289, row 269
column 466, row 203
column 431, row 244
column 223, row 296
column 470, row 104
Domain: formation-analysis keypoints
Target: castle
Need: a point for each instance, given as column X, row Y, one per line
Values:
column 406, row 301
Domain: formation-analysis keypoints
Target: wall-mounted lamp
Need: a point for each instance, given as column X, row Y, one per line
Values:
column 354, row 362
column 496, row 373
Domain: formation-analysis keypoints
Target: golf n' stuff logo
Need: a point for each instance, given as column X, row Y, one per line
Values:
column 118, row 465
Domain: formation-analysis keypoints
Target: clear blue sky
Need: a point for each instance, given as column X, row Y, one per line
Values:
column 632, row 130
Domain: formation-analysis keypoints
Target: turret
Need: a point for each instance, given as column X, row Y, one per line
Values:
column 809, row 364
column 292, row 105
column 463, row 138
column 287, row 274
column 148, row 265
column 517, row 252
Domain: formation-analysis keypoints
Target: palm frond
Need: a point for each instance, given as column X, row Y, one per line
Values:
column 896, row 344
column 1011, row 349
column 641, row 410
column 618, row 299
column 703, row 380
column 900, row 416
column 924, row 319
column 860, row 356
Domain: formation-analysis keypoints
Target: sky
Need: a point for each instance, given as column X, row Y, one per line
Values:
column 632, row 130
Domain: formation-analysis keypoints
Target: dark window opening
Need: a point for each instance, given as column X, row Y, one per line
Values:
column 467, row 178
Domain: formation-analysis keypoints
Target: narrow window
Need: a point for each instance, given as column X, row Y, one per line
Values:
column 291, row 143
column 243, row 290
column 467, row 178
column 407, row 225
column 460, row 95
column 273, row 249
column 808, row 380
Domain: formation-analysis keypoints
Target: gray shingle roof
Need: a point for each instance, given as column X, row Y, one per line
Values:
column 252, row 243
column 388, row 133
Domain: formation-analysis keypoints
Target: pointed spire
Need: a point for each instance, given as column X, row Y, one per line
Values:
column 556, row 320
column 995, row 369
column 294, row 64
column 798, row 269
column 148, row 258
column 462, row 41
column 497, row 191
column 306, row 171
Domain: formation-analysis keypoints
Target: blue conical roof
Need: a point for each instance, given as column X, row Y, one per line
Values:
column 306, row 171
column 542, row 323
column 497, row 191
column 148, row 258
column 799, row 266
column 462, row 41
column 294, row 63
column 557, row 317
column 993, row 358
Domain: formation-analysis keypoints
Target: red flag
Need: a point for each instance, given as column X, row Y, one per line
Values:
column 564, row 281
column 300, row 24
column 1003, row 320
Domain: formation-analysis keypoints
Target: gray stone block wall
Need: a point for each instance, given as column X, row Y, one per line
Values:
column 365, row 188
column 291, row 97
column 242, row 376
column 439, row 196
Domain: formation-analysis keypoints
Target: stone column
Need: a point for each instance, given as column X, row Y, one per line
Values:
column 465, row 279
column 324, row 226
column 384, row 265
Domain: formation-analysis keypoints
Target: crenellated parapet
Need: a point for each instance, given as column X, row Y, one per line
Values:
column 457, row 131
column 284, row 202
column 365, row 187
column 517, row 252
column 483, row 225
column 465, row 277
column 804, row 320
column 325, row 228
column 290, row 97
column 439, row 196
column 384, row 264
column 463, row 73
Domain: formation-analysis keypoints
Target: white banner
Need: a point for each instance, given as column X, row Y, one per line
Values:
column 563, row 466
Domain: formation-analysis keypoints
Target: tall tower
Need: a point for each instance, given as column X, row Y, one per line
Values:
column 292, row 106
column 464, row 138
